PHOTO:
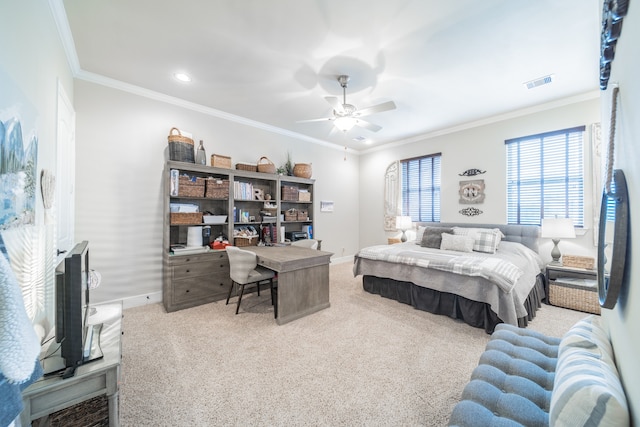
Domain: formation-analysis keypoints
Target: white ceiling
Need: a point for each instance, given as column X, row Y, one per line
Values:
column 444, row 63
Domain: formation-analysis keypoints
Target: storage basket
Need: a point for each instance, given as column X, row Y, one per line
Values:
column 190, row 186
column 216, row 188
column 178, row 218
column 219, row 161
column 266, row 166
column 180, row 147
column 304, row 196
column 576, row 261
column 291, row 215
column 302, row 170
column 573, row 294
column 246, row 167
column 245, row 241
column 303, row 215
column 289, row 193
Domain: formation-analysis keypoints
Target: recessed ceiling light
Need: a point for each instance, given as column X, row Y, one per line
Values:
column 182, row 77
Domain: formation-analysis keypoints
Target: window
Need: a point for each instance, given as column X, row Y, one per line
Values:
column 421, row 188
column 545, row 177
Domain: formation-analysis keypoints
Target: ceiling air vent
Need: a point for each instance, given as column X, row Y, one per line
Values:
column 539, row 81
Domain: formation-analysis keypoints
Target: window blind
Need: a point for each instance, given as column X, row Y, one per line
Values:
column 545, row 177
column 421, row 188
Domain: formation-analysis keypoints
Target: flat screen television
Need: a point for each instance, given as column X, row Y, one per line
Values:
column 72, row 305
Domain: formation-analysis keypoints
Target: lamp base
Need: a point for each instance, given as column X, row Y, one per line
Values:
column 404, row 237
column 555, row 252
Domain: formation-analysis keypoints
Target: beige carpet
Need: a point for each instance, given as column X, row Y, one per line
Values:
column 365, row 360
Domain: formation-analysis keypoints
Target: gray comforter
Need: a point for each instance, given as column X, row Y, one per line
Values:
column 503, row 280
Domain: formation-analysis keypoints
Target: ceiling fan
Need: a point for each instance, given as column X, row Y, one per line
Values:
column 346, row 116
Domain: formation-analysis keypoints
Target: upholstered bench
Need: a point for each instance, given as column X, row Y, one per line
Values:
column 527, row 378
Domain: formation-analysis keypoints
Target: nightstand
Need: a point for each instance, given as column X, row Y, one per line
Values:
column 574, row 288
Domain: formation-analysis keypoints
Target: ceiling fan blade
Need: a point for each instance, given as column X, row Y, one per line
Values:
column 335, row 103
column 326, row 119
column 367, row 125
column 385, row 106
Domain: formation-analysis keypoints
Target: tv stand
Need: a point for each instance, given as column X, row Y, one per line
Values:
column 74, row 385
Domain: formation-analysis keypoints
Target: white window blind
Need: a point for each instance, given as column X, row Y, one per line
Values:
column 421, row 188
column 545, row 177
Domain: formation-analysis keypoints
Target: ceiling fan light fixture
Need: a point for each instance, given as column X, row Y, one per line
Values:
column 345, row 123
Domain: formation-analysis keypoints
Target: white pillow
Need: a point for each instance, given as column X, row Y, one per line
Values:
column 456, row 243
column 419, row 235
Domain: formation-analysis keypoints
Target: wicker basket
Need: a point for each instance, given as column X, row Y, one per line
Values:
column 217, row 188
column 246, row 167
column 569, row 293
column 304, row 196
column 180, row 218
column 291, row 215
column 180, row 147
column 576, row 261
column 266, row 166
column 190, row 186
column 245, row 241
column 303, row 215
column 289, row 193
column 302, row 170
column 218, row 161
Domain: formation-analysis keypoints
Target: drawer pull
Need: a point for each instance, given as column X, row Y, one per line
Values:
column 188, row 271
column 187, row 291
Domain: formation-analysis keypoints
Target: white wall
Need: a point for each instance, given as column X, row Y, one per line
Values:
column 121, row 148
column 31, row 65
column 625, row 318
column 480, row 147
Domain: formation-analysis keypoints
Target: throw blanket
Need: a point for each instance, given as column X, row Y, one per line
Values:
column 499, row 271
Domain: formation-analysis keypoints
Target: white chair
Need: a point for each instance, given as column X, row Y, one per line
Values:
column 306, row 243
column 244, row 270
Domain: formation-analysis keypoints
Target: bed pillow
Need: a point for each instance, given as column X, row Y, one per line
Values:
column 456, row 243
column 432, row 237
column 481, row 243
column 419, row 234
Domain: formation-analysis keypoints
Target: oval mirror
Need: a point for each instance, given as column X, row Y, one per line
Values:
column 612, row 240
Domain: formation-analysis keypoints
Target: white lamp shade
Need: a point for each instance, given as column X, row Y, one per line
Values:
column 558, row 228
column 403, row 223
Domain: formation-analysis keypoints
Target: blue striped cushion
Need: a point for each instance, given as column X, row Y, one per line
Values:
column 587, row 388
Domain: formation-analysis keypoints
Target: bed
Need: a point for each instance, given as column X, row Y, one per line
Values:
column 480, row 288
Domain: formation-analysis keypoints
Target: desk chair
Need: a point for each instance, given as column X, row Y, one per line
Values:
column 306, row 243
column 244, row 270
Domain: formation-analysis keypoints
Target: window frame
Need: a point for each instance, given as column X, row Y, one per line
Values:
column 573, row 179
column 433, row 189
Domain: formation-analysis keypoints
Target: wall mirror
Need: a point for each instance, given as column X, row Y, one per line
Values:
column 612, row 239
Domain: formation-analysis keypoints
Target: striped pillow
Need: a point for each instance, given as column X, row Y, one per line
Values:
column 587, row 388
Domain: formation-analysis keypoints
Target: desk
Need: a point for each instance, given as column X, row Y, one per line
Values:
column 303, row 279
column 98, row 377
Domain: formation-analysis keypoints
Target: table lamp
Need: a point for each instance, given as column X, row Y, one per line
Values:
column 556, row 229
column 403, row 223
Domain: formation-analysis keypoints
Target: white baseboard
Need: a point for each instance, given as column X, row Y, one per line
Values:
column 342, row 260
column 139, row 300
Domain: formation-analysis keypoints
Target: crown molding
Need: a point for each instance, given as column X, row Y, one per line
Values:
column 489, row 120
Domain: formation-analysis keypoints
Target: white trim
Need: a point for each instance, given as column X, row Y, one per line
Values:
column 493, row 119
column 60, row 17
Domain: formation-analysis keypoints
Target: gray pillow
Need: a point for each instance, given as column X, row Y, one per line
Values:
column 432, row 237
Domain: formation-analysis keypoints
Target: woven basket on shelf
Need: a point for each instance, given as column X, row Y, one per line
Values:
column 186, row 218
column 266, row 166
column 289, row 193
column 574, row 297
column 217, row 188
column 180, row 147
column 246, row 167
column 291, row 215
column 302, row 170
column 190, row 186
column 245, row 241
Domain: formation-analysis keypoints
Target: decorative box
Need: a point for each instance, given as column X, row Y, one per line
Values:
column 219, row 161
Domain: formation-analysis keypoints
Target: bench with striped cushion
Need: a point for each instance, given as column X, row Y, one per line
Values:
column 527, row 378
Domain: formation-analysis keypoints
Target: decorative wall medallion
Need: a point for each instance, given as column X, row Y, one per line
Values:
column 470, row 211
column 471, row 172
column 471, row 192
